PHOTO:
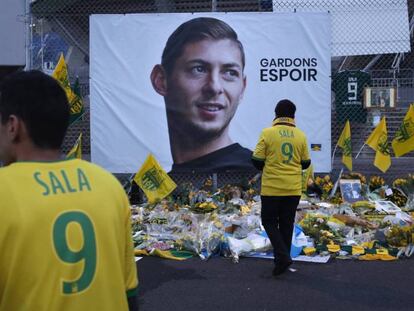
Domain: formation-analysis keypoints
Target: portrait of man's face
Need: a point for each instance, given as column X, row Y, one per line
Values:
column 177, row 86
column 205, row 86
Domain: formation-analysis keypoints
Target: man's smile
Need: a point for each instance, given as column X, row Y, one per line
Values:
column 210, row 107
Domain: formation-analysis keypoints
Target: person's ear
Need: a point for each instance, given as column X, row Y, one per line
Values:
column 14, row 128
column 159, row 80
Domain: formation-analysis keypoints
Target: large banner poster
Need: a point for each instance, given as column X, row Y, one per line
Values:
column 195, row 90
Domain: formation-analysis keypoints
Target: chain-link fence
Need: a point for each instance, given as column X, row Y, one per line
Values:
column 62, row 26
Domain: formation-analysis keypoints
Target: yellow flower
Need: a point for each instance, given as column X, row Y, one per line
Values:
column 376, row 182
column 327, row 234
column 244, row 209
column 318, row 181
column 399, row 182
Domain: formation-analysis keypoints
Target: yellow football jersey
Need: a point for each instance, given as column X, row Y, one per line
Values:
column 282, row 147
column 65, row 238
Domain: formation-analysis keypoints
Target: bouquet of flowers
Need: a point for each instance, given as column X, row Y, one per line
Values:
column 183, row 193
column 398, row 236
column 316, row 226
column 397, row 197
column 205, row 238
column 336, row 199
column 204, row 207
column 325, row 184
column 405, row 184
column 376, row 182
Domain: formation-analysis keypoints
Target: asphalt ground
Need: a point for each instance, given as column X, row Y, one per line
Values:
column 220, row 284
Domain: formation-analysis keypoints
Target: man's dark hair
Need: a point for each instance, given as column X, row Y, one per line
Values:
column 285, row 108
column 195, row 30
column 40, row 102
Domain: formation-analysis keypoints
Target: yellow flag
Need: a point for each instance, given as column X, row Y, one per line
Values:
column 358, row 250
column 385, row 257
column 378, row 140
column 153, row 180
column 333, row 248
column 75, row 102
column 76, row 151
column 345, row 143
column 404, row 137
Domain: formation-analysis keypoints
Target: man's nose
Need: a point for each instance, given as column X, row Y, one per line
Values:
column 214, row 83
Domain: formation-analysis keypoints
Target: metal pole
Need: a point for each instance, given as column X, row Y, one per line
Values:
column 372, row 62
column 213, row 5
column 29, row 34
column 336, row 184
column 333, row 155
column 343, row 63
column 42, row 44
column 359, row 151
column 214, row 177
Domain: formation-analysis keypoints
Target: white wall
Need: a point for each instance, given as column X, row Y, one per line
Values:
column 12, row 33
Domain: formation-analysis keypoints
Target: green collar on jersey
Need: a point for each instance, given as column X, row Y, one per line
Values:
column 284, row 121
column 45, row 161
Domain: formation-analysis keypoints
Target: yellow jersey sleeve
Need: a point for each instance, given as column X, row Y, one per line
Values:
column 260, row 150
column 305, row 150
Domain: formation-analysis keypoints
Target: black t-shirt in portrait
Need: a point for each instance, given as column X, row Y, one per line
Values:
column 231, row 158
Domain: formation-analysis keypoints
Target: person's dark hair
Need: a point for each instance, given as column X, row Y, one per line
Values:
column 40, row 102
column 195, row 30
column 285, row 108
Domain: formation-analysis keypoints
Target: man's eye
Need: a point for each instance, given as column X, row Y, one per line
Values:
column 198, row 69
column 231, row 74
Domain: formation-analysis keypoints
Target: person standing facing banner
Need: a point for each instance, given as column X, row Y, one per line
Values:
column 65, row 233
column 282, row 153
